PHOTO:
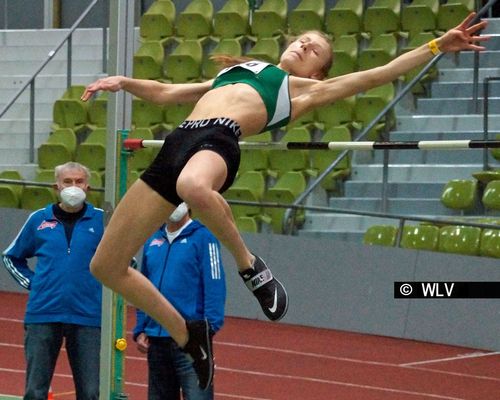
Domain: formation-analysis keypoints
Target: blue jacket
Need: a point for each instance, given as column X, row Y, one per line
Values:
column 61, row 286
column 189, row 273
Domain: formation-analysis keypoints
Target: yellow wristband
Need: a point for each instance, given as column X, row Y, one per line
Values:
column 433, row 46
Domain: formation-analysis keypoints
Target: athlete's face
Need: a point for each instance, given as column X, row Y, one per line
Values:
column 307, row 56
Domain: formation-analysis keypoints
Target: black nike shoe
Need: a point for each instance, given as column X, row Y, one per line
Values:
column 199, row 347
column 270, row 292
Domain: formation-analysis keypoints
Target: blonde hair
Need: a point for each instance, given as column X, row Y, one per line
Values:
column 225, row 60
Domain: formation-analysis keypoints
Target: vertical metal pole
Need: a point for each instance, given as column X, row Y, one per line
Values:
column 121, row 40
column 104, row 49
column 475, row 82
column 69, row 61
column 385, row 178
column 32, row 122
column 48, row 14
column 486, row 89
column 385, row 168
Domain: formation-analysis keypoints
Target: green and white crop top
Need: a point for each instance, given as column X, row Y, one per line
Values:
column 269, row 81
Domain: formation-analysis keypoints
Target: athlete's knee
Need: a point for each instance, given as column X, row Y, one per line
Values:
column 193, row 192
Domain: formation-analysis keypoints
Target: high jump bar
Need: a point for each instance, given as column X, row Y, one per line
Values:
column 135, row 144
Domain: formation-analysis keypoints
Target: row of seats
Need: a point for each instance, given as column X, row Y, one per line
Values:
column 182, row 60
column 279, row 176
column 465, row 240
column 199, row 19
column 465, row 194
column 32, row 197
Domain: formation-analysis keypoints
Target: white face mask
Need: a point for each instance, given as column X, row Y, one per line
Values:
column 72, row 196
column 178, row 213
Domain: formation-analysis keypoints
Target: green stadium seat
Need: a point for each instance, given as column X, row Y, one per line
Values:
column 69, row 111
column 59, row 148
column 184, row 63
column 174, row 114
column 255, row 159
column 226, row 46
column 382, row 16
column 148, row 60
column 484, row 177
column 460, row 194
column 266, row 49
column 232, row 19
column 367, row 107
column 8, row 197
column 416, row 40
column 381, row 235
column 306, row 16
column 98, row 111
column 345, row 55
column 490, row 243
column 491, row 195
column 282, row 161
column 338, row 113
column 196, row 20
column 96, row 181
column 419, row 16
column 345, row 18
column 247, row 224
column 420, row 237
column 146, row 114
column 270, row 19
column 35, row 197
column 381, row 50
column 495, row 152
column 158, row 21
column 322, row 159
column 285, row 191
column 460, row 240
column 10, row 194
column 92, row 152
column 452, row 13
column 249, row 186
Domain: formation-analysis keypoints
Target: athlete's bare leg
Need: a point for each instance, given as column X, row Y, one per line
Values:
column 197, row 185
column 138, row 215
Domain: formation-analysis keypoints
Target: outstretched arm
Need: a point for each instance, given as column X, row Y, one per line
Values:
column 149, row 90
column 459, row 38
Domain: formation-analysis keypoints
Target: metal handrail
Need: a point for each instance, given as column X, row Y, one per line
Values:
column 486, row 95
column 31, row 81
column 289, row 219
column 402, row 218
column 40, row 184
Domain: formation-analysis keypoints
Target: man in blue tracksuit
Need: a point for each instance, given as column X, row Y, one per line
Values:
column 182, row 259
column 64, row 298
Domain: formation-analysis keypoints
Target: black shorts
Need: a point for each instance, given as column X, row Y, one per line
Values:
column 219, row 135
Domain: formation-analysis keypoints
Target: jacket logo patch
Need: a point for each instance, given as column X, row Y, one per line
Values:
column 157, row 242
column 47, row 224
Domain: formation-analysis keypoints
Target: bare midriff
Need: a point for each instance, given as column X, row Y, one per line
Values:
column 239, row 102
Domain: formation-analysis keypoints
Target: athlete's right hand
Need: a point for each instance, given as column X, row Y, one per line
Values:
column 142, row 343
column 109, row 84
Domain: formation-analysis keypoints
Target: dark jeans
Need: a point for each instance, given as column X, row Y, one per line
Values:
column 42, row 344
column 170, row 371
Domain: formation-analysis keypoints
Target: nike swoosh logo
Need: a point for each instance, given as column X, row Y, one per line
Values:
column 203, row 354
column 275, row 304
